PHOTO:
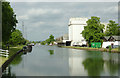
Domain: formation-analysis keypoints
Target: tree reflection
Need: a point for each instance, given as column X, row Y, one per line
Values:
column 17, row 60
column 112, row 65
column 51, row 52
column 7, row 73
column 94, row 66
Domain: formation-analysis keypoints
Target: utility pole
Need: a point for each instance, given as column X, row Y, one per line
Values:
column 23, row 28
column 26, row 32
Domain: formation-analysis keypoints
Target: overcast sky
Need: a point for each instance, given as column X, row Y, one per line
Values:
column 44, row 18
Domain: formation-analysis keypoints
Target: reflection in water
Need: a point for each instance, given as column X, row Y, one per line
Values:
column 51, row 52
column 8, row 74
column 83, row 63
column 93, row 63
column 94, row 66
column 75, row 66
column 112, row 63
column 17, row 59
column 112, row 67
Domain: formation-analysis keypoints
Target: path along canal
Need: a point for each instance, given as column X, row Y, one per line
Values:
column 55, row 61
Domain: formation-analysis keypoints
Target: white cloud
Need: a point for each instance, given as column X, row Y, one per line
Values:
column 112, row 9
column 41, row 11
column 38, row 24
column 23, row 17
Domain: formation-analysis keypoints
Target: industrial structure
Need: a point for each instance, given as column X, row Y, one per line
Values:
column 76, row 26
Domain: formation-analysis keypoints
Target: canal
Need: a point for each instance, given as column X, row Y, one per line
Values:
column 55, row 61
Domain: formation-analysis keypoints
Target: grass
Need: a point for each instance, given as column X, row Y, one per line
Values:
column 93, row 49
column 2, row 60
column 13, row 50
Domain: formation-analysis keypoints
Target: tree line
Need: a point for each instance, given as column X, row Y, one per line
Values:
column 48, row 41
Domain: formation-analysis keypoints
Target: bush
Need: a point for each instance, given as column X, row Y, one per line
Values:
column 105, row 50
column 43, row 43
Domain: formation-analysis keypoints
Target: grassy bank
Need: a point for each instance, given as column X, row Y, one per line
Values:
column 2, row 60
column 93, row 49
column 12, row 50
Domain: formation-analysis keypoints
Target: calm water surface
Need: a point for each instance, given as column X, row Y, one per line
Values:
column 55, row 61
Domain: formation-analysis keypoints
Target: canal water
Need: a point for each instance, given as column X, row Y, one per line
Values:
column 55, row 61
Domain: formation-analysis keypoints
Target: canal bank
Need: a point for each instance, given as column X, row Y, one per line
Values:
column 4, row 61
column 12, row 51
column 93, row 49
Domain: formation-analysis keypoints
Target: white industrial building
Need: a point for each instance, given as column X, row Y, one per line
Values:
column 76, row 26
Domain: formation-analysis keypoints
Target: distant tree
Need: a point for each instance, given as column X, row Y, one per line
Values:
column 112, row 29
column 43, row 43
column 8, row 21
column 16, row 38
column 50, row 39
column 93, row 32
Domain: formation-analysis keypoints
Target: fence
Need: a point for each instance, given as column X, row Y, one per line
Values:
column 4, row 53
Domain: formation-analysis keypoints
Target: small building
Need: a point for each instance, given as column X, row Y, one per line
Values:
column 110, row 40
column 105, row 38
column 63, row 40
column 114, row 38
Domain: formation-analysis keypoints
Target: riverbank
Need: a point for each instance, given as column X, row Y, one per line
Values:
column 93, row 49
column 12, row 51
column 2, row 60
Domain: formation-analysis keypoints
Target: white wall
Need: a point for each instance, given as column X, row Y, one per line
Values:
column 105, row 44
column 70, row 33
column 76, row 26
column 77, row 36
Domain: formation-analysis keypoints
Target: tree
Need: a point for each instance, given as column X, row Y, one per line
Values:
column 93, row 32
column 8, row 21
column 43, row 43
column 50, row 39
column 16, row 38
column 112, row 29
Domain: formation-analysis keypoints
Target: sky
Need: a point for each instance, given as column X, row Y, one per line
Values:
column 44, row 18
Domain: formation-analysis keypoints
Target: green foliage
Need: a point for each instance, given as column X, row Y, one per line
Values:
column 51, row 52
column 110, row 48
column 112, row 29
column 50, row 39
column 93, row 32
column 8, row 21
column 16, row 38
column 94, row 66
column 43, row 43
